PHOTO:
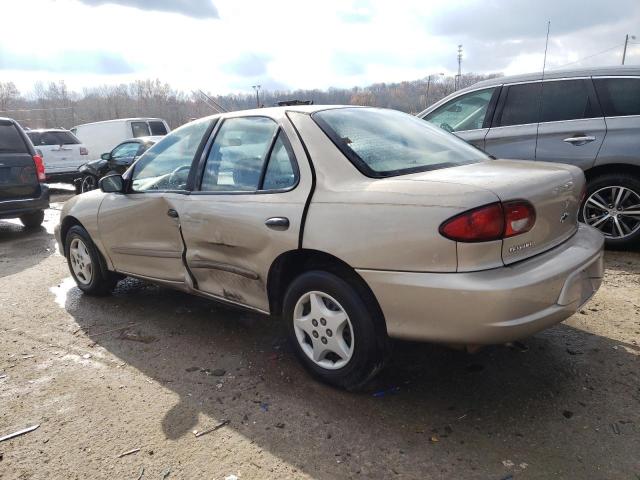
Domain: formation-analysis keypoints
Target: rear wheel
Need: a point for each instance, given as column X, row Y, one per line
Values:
column 86, row 265
column 612, row 205
column 335, row 331
column 33, row 220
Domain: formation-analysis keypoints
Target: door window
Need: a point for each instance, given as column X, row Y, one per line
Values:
column 566, row 100
column 10, row 139
column 126, row 150
column 618, row 96
column 166, row 165
column 157, row 128
column 238, row 154
column 466, row 112
column 281, row 169
column 522, row 105
column 139, row 129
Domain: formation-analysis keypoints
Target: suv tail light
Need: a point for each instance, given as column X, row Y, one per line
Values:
column 84, row 151
column 37, row 159
column 490, row 222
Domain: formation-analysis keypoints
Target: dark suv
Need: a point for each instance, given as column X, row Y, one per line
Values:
column 588, row 118
column 22, row 194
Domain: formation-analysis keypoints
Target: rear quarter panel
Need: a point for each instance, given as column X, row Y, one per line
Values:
column 622, row 141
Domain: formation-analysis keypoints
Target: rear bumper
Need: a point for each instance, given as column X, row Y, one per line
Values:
column 17, row 208
column 492, row 306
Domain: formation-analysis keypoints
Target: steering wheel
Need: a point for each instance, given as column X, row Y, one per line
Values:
column 447, row 127
column 173, row 175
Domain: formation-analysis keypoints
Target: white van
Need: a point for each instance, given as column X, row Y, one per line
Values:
column 101, row 137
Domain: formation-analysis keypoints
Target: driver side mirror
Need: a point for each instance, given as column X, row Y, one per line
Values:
column 106, row 156
column 112, row 184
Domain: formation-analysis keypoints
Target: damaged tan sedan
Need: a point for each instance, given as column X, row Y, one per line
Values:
column 353, row 224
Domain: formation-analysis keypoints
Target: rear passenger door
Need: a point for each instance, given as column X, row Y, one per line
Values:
column 572, row 127
column 515, row 123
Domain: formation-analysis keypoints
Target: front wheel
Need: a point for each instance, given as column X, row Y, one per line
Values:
column 87, row 183
column 335, row 331
column 612, row 205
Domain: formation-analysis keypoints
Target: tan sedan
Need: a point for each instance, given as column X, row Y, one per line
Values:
column 353, row 224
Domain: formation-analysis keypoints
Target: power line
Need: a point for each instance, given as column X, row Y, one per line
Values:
column 590, row 56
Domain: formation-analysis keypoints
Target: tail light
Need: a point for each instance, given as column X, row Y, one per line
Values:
column 84, row 151
column 490, row 222
column 37, row 159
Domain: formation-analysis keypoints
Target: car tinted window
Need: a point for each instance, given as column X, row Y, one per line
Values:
column 157, row 128
column 166, row 165
column 466, row 112
column 522, row 105
column 126, row 150
column 238, row 153
column 10, row 139
column 565, row 100
column 382, row 142
column 281, row 169
column 53, row 138
column 618, row 96
column 139, row 129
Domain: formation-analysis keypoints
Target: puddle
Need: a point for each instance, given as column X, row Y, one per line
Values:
column 61, row 291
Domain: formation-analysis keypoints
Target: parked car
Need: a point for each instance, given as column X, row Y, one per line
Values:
column 22, row 193
column 61, row 151
column 589, row 118
column 354, row 224
column 100, row 137
column 115, row 161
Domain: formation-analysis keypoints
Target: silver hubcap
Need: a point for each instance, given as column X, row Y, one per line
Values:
column 88, row 183
column 615, row 211
column 80, row 261
column 323, row 330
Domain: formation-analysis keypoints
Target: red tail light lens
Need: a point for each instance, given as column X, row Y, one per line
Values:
column 519, row 217
column 37, row 159
column 491, row 222
column 84, row 151
column 478, row 225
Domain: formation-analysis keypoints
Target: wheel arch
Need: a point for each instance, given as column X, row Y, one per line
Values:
column 66, row 224
column 612, row 168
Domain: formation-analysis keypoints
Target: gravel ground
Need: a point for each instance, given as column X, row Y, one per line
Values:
column 146, row 367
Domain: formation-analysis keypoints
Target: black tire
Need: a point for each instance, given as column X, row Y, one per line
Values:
column 610, row 180
column 32, row 220
column 102, row 281
column 370, row 341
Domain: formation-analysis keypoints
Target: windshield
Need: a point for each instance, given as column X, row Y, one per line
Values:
column 384, row 143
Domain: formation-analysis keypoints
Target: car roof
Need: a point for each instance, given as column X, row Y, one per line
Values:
column 148, row 138
column 278, row 111
column 43, row 130
column 115, row 120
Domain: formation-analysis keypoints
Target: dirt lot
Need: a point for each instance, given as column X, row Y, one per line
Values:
column 147, row 366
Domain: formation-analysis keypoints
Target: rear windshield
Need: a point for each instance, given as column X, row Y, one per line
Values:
column 53, row 138
column 384, row 143
column 157, row 128
column 139, row 129
column 10, row 139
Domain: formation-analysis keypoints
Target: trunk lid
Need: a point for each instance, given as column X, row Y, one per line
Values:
column 554, row 190
column 18, row 176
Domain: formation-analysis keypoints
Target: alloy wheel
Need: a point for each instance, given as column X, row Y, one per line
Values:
column 614, row 210
column 323, row 330
column 88, row 183
column 81, row 261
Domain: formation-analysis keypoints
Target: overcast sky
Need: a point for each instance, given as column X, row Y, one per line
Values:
column 228, row 45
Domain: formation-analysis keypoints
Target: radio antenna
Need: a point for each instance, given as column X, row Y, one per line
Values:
column 544, row 67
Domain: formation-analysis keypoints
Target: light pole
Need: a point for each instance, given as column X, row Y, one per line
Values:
column 257, row 89
column 426, row 100
column 626, row 42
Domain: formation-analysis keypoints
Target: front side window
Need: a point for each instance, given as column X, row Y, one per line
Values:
column 166, row 165
column 126, row 150
column 521, row 106
column 139, row 129
column 238, row 154
column 383, row 143
column 157, row 128
column 618, row 96
column 466, row 112
column 565, row 100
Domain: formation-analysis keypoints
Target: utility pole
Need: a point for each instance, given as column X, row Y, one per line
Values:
column 626, row 42
column 426, row 100
column 458, row 77
column 257, row 89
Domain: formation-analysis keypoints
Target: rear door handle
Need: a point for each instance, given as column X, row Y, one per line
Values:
column 277, row 223
column 172, row 213
column 580, row 139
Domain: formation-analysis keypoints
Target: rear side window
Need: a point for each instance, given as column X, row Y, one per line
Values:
column 522, row 105
column 566, row 100
column 53, row 138
column 10, row 139
column 157, row 128
column 618, row 96
column 139, row 129
column 281, row 170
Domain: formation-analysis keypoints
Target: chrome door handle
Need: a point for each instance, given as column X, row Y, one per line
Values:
column 277, row 223
column 172, row 213
column 580, row 140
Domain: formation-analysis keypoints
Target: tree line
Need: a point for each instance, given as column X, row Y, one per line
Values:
column 54, row 105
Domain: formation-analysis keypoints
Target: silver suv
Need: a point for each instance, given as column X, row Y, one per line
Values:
column 589, row 118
